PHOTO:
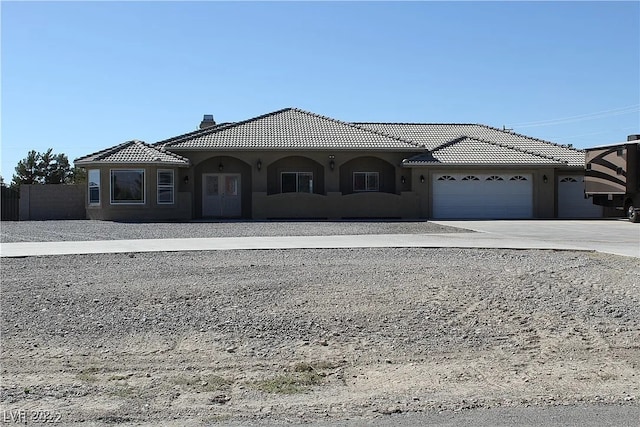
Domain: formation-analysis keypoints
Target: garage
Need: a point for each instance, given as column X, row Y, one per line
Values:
column 482, row 196
column 571, row 201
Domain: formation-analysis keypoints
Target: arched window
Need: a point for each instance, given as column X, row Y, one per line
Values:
column 446, row 178
column 517, row 178
column 495, row 178
column 470, row 178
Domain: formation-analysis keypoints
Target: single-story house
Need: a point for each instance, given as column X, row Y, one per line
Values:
column 293, row 163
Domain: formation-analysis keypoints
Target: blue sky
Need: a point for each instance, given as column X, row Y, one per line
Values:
column 79, row 77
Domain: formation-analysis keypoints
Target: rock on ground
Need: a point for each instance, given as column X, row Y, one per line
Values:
column 195, row 338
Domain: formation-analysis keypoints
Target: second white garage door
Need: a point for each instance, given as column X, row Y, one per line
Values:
column 490, row 196
column 571, row 201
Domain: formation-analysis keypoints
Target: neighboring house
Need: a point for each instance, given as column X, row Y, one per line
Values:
column 296, row 164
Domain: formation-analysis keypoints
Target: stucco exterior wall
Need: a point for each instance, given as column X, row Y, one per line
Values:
column 405, row 192
column 261, row 197
column 544, row 194
column 335, row 205
column 150, row 210
column 53, row 201
column 222, row 164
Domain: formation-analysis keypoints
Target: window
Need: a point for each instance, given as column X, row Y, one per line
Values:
column 366, row 181
column 446, row 178
column 165, row 187
column 568, row 179
column 470, row 178
column 127, row 186
column 296, row 182
column 517, row 178
column 94, row 186
column 495, row 178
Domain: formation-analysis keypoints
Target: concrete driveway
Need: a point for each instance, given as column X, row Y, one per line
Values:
column 614, row 236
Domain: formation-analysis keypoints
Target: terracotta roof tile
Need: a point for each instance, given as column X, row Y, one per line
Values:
column 433, row 135
column 472, row 151
column 290, row 129
column 133, row 152
column 295, row 129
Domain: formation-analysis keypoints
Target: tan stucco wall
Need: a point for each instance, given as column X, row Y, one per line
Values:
column 181, row 209
column 328, row 202
column 544, row 194
column 404, row 193
column 332, row 177
column 335, row 205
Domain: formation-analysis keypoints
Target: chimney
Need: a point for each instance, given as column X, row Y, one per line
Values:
column 633, row 137
column 207, row 121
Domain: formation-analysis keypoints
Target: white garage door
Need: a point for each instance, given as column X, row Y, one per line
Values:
column 475, row 195
column 571, row 201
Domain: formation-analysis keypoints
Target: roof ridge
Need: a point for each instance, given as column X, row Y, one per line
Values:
column 522, row 150
column 532, row 137
column 414, row 144
column 152, row 151
column 108, row 150
column 214, row 129
column 450, row 143
column 417, row 123
column 197, row 132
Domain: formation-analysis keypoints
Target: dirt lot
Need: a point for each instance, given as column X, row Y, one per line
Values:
column 315, row 335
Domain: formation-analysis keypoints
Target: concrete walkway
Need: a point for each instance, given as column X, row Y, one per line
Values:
column 445, row 240
column 610, row 235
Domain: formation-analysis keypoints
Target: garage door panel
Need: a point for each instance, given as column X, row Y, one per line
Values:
column 571, row 201
column 482, row 198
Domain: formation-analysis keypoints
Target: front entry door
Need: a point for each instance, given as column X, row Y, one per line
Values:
column 221, row 195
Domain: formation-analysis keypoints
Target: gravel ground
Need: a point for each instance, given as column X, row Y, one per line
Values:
column 57, row 231
column 315, row 335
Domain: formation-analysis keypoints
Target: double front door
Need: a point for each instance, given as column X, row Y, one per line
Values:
column 221, row 195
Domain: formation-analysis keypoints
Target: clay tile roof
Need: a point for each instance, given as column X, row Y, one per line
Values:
column 434, row 135
column 133, row 152
column 287, row 129
column 472, row 151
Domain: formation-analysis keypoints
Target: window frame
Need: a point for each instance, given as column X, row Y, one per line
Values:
column 128, row 202
column 367, row 187
column 298, row 176
column 165, row 186
column 90, row 187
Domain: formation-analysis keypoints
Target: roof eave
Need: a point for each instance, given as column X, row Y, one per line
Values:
column 403, row 149
column 492, row 165
column 102, row 163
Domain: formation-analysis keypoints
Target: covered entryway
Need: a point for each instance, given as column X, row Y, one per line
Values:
column 221, row 195
column 571, row 201
column 489, row 195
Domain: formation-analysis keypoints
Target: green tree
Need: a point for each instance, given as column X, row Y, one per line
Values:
column 57, row 169
column 28, row 170
column 43, row 168
column 78, row 175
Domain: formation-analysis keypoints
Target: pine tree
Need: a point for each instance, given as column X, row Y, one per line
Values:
column 28, row 170
column 44, row 168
